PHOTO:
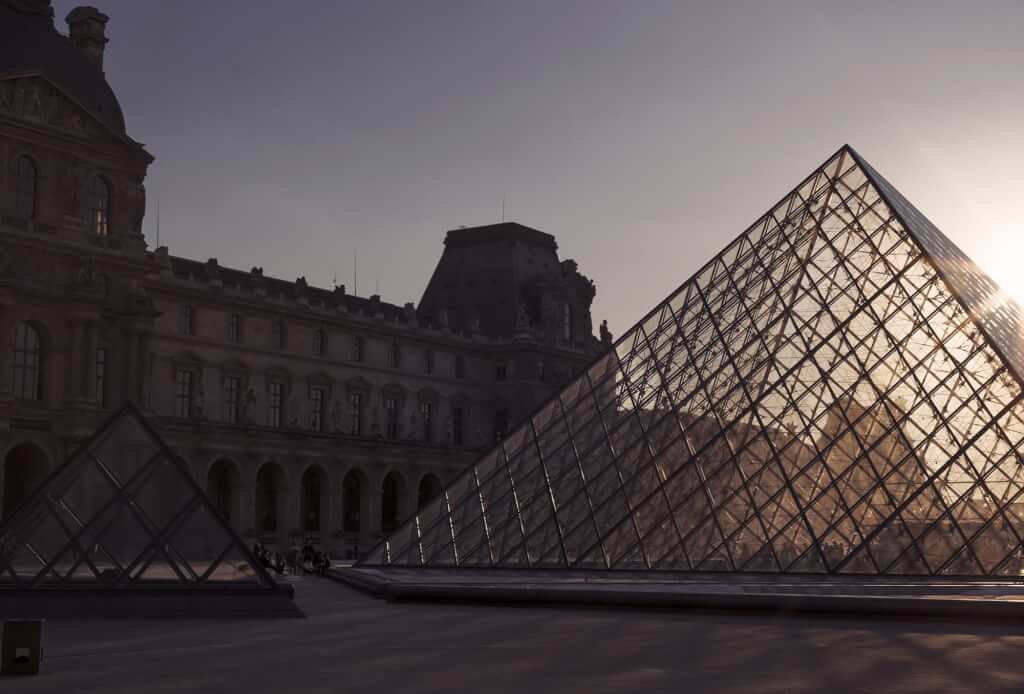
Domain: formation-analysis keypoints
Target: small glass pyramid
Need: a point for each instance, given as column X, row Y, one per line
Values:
column 123, row 512
column 837, row 392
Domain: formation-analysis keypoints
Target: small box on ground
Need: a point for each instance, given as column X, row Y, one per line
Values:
column 22, row 650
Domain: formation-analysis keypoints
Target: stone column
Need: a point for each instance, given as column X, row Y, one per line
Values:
column 246, row 507
column 412, row 494
column 75, row 348
column 91, row 345
column 290, row 522
column 131, row 365
column 145, row 371
column 370, row 525
column 332, row 516
column 6, row 342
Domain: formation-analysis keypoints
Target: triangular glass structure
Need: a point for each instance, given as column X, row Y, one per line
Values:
column 123, row 512
column 837, row 392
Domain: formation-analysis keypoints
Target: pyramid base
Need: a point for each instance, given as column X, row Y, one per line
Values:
column 987, row 600
column 148, row 604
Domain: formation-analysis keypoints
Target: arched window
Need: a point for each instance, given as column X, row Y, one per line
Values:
column 390, row 502
column 222, row 488
column 26, row 187
column 269, row 493
column 567, row 322
column 99, row 205
column 28, row 352
column 352, row 496
column 312, row 485
column 430, row 487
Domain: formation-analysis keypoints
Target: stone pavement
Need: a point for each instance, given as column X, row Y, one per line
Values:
column 352, row 643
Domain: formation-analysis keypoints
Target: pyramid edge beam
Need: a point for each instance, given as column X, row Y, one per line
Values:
column 934, row 242
column 204, row 500
column 843, row 149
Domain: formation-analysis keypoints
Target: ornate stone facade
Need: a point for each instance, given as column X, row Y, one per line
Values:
column 305, row 412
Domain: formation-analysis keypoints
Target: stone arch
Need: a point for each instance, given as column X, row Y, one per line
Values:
column 392, row 497
column 223, row 485
column 314, row 489
column 429, row 487
column 355, row 497
column 25, row 466
column 271, row 492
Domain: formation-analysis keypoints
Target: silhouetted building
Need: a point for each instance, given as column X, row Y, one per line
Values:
column 303, row 411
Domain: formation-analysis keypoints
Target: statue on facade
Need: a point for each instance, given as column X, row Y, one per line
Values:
column 606, row 335
column 522, row 317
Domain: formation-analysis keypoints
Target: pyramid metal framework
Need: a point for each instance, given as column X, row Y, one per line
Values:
column 123, row 512
column 837, row 392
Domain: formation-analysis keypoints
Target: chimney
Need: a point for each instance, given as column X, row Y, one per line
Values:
column 87, row 31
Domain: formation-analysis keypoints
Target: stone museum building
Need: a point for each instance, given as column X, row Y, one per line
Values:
column 306, row 413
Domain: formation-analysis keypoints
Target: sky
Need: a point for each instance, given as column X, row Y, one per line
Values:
column 644, row 135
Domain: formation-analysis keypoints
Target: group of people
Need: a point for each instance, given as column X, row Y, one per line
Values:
column 309, row 559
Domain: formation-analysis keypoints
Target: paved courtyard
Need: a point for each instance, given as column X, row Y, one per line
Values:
column 352, row 643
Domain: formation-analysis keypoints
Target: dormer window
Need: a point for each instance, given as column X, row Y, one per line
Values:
column 26, row 185
column 99, row 206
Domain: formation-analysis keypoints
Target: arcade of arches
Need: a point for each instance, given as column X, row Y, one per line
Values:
column 342, row 514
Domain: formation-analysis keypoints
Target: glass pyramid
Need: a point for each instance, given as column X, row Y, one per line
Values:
column 123, row 512
column 837, row 392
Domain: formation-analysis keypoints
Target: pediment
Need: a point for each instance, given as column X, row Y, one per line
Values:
column 33, row 98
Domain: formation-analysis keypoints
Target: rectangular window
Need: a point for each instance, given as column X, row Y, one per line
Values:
column 232, row 389
column 457, row 426
column 394, row 356
column 317, row 401
column 426, row 421
column 355, row 401
column 428, row 361
column 185, row 319
column 319, row 343
column 500, row 372
column 101, row 376
column 183, row 393
column 277, row 334
column 235, row 328
column 357, row 348
column 27, row 355
column 276, row 403
column 391, row 417
column 460, row 366
column 500, row 424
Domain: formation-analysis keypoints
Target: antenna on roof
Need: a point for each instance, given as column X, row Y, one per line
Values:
column 355, row 273
column 503, row 208
column 158, row 222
